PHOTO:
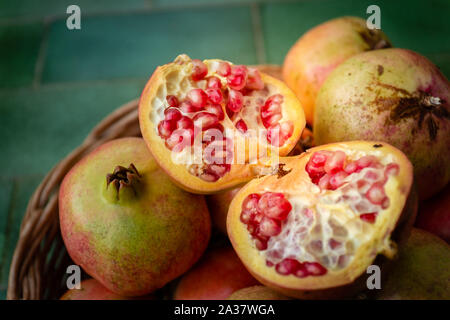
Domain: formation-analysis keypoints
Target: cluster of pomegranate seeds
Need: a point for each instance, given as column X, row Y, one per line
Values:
column 264, row 215
column 300, row 269
column 277, row 133
column 331, row 169
column 203, row 108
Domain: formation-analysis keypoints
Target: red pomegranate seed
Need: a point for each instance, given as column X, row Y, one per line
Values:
column 276, row 98
column 392, row 169
column 179, row 139
column 301, row 271
column 187, row 107
column 185, row 123
column 198, row 98
column 376, row 193
column 365, row 161
column 200, row 70
column 371, row 175
column 269, row 227
column 238, row 77
column 335, row 162
column 324, row 182
column 274, row 205
column 287, row 266
column 218, row 169
column 368, row 217
column 214, row 83
column 272, row 120
column 214, row 95
column 205, row 120
column 314, row 268
column 165, row 128
column 241, row 126
column 224, row 69
column 261, row 244
column 172, row 101
column 279, row 133
column 254, row 81
column 334, row 244
column 270, row 109
column 251, row 202
column 172, row 114
column 385, row 203
column 235, row 100
column 351, row 167
column 337, row 180
column 215, row 109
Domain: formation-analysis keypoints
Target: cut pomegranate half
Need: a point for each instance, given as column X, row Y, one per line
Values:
column 318, row 226
column 259, row 114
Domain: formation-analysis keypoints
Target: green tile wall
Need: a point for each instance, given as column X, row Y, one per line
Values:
column 133, row 45
column 19, row 48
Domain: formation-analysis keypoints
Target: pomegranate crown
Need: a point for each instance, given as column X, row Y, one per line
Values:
column 123, row 177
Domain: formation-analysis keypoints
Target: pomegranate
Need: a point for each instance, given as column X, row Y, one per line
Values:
column 126, row 224
column 312, row 231
column 434, row 215
column 320, row 50
column 91, row 289
column 206, row 130
column 422, row 271
column 217, row 275
column 218, row 205
column 257, row 293
column 396, row 96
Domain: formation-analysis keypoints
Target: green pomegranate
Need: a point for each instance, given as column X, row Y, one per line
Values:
column 391, row 95
column 126, row 224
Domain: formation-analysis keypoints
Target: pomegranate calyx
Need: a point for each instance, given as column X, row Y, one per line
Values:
column 123, row 178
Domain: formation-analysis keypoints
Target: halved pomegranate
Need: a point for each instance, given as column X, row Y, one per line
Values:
column 312, row 231
column 207, row 123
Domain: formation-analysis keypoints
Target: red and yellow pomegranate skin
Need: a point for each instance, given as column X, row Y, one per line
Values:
column 218, row 205
column 216, row 276
column 220, row 96
column 320, row 50
column 275, row 222
column 396, row 96
column 257, row 293
column 434, row 215
column 91, row 289
column 137, row 239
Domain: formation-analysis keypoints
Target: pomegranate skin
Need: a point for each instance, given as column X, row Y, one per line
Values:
column 396, row 96
column 135, row 241
column 257, row 293
column 91, row 289
column 215, row 277
column 218, row 205
column 434, row 215
column 320, row 50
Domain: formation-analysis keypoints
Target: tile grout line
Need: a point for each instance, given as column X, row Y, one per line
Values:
column 39, row 66
column 8, row 226
column 258, row 37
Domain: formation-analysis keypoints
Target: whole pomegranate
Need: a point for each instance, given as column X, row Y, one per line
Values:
column 337, row 209
column 320, row 50
column 126, row 224
column 91, row 289
column 396, row 96
column 257, row 293
column 421, row 272
column 218, row 205
column 434, row 215
column 217, row 275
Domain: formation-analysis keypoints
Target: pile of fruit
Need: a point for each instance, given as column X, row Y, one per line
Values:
column 247, row 187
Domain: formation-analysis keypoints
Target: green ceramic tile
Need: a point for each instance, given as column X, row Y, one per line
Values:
column 419, row 25
column 23, row 190
column 166, row 3
column 133, row 45
column 43, row 8
column 6, row 188
column 18, row 54
column 38, row 128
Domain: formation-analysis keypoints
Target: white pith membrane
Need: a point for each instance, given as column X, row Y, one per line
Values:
column 179, row 83
column 324, row 229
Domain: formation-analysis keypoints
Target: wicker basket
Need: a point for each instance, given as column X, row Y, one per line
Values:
column 38, row 267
